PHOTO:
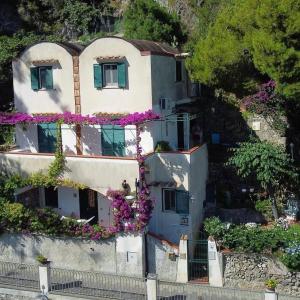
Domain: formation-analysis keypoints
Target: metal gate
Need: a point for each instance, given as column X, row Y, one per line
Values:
column 198, row 260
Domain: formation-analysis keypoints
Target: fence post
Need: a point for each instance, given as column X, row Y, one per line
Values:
column 44, row 276
column 183, row 266
column 215, row 264
column 151, row 286
column 270, row 295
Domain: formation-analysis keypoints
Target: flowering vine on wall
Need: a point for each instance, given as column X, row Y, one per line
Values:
column 14, row 118
column 128, row 217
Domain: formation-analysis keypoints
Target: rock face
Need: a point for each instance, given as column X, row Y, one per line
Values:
column 250, row 271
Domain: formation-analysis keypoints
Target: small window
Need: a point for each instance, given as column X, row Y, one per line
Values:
column 178, row 70
column 175, row 201
column 51, row 197
column 169, row 200
column 110, row 75
column 41, row 78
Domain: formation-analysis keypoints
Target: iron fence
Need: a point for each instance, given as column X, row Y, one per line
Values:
column 19, row 275
column 176, row 291
column 94, row 284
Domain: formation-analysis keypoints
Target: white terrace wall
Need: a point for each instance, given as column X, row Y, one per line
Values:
column 98, row 174
column 121, row 255
column 61, row 97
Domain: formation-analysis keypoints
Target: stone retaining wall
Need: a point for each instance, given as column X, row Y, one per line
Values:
column 251, row 270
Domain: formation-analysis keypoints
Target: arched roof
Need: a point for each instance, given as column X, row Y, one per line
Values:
column 73, row 48
column 144, row 46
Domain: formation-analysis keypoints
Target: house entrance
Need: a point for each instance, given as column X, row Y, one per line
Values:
column 198, row 260
column 88, row 205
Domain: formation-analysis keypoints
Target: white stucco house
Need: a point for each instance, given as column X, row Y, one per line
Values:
column 115, row 76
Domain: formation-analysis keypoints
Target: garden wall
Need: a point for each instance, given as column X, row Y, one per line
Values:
column 121, row 255
column 251, row 270
column 158, row 258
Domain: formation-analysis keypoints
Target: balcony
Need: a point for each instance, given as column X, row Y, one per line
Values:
column 97, row 172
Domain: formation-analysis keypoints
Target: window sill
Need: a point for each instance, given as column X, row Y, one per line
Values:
column 111, row 87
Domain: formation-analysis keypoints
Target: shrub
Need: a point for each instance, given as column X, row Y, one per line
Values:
column 215, row 228
column 14, row 216
column 291, row 258
column 162, row 146
column 42, row 259
column 265, row 208
column 271, row 283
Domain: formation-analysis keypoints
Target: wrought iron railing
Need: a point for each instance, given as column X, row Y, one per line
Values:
column 19, row 275
column 177, row 291
column 96, row 284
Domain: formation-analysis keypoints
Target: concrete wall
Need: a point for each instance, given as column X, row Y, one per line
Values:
column 158, row 259
column 120, row 255
column 61, row 98
column 135, row 97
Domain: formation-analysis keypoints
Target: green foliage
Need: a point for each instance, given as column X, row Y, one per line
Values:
column 42, row 259
column 265, row 208
column 162, row 146
column 14, row 215
column 292, row 261
column 268, row 163
column 258, row 239
column 78, row 16
column 253, row 240
column 57, row 167
column 271, row 283
column 146, row 19
column 215, row 228
column 248, row 40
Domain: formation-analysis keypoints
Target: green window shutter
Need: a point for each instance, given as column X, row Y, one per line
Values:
column 107, row 140
column 47, row 137
column 122, row 75
column 98, row 82
column 49, row 78
column 34, row 74
column 119, row 141
column 182, row 202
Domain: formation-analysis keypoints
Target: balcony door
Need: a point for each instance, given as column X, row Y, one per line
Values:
column 88, row 205
column 47, row 137
column 113, row 140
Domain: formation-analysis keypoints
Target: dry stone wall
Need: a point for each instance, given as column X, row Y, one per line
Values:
column 251, row 270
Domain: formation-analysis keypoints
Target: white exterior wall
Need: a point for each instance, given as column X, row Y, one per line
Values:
column 188, row 172
column 168, row 167
column 58, row 100
column 198, row 180
column 68, row 137
column 136, row 97
column 164, row 85
column 27, row 137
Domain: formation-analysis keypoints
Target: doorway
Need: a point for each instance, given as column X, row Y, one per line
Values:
column 88, row 205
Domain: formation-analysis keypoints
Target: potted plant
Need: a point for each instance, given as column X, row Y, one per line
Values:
column 42, row 260
column 271, row 285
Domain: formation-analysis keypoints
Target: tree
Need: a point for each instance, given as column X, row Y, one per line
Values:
column 269, row 164
column 146, row 19
column 250, row 41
